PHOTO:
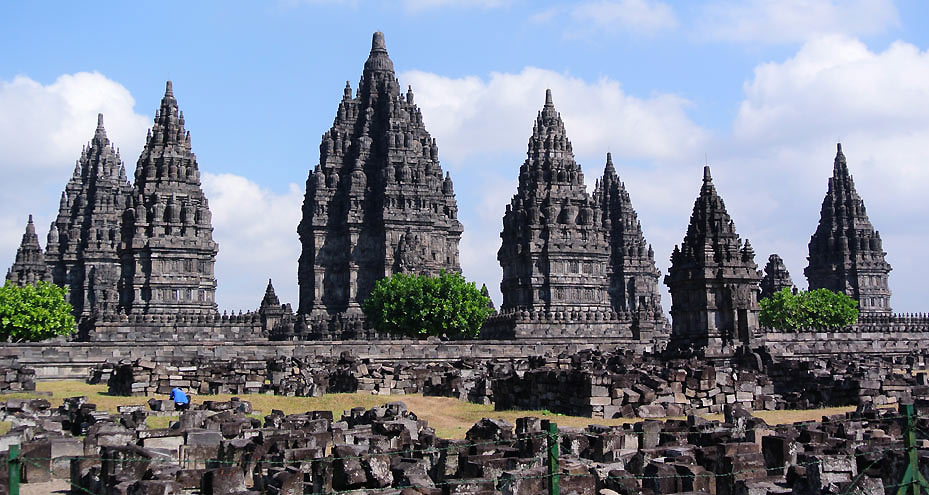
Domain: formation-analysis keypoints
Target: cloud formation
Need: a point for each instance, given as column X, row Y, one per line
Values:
column 783, row 140
column 256, row 229
column 474, row 115
column 42, row 130
column 793, row 21
column 596, row 17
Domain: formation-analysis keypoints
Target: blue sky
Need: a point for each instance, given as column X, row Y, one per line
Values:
column 760, row 89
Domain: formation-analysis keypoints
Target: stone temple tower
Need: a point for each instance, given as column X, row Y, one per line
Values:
column 776, row 277
column 634, row 277
column 555, row 252
column 846, row 253
column 29, row 266
column 377, row 202
column 167, row 249
column 713, row 281
column 83, row 240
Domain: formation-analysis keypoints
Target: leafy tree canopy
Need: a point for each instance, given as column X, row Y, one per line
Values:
column 422, row 306
column 820, row 308
column 34, row 312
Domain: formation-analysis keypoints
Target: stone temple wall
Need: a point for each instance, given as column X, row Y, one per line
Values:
column 75, row 359
column 873, row 334
column 175, row 328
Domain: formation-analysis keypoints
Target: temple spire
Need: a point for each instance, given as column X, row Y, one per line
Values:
column 713, row 280
column 29, row 266
column 378, row 60
column 846, row 253
column 100, row 138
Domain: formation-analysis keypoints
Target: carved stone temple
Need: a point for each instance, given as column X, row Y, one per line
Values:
column 846, row 253
column 776, row 277
column 569, row 269
column 130, row 249
column 29, row 266
column 634, row 278
column 377, row 203
column 84, row 239
column 167, row 250
column 713, row 281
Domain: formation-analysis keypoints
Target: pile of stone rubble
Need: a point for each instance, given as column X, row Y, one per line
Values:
column 222, row 448
column 589, row 383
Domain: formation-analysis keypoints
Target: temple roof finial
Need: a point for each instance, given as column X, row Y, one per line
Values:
column 548, row 98
column 377, row 42
column 99, row 121
column 707, row 178
column 169, row 89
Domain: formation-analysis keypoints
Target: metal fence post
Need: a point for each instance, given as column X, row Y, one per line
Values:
column 551, row 431
column 912, row 480
column 15, row 468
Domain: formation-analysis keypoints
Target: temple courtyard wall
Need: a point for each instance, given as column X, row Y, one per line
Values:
column 240, row 337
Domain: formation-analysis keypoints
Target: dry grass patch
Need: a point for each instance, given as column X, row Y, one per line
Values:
column 450, row 417
column 797, row 415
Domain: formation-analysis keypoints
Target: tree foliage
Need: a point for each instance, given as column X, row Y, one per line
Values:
column 422, row 306
column 34, row 312
column 820, row 308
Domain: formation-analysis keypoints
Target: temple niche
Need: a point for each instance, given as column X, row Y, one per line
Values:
column 713, row 281
column 846, row 253
column 377, row 203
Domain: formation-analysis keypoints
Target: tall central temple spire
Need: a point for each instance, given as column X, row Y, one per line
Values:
column 377, row 202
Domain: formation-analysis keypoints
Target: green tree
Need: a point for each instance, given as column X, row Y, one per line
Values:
column 421, row 306
column 820, row 308
column 34, row 312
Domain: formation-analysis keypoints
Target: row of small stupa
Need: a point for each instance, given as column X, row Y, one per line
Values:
column 378, row 203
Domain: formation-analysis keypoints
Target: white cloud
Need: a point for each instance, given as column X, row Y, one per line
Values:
column 44, row 126
column 408, row 5
column 419, row 5
column 637, row 16
column 257, row 233
column 836, row 89
column 42, row 130
column 599, row 17
column 789, row 21
column 474, row 115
